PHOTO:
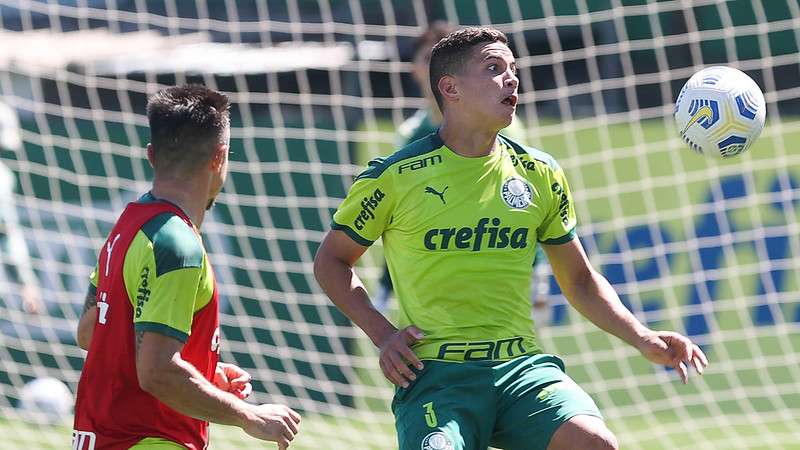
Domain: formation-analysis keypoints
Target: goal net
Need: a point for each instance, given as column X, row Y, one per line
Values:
column 707, row 248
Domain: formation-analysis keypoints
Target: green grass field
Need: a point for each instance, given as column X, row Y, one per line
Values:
column 624, row 176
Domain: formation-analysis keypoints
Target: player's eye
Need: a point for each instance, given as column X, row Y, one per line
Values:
column 492, row 67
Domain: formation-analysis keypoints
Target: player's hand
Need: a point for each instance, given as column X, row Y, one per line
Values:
column 233, row 379
column 674, row 350
column 276, row 423
column 396, row 356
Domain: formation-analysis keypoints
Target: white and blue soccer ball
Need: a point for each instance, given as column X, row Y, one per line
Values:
column 46, row 400
column 720, row 112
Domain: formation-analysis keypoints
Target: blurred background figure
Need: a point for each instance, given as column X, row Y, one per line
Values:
column 18, row 283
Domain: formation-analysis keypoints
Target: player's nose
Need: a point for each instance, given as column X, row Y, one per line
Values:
column 511, row 80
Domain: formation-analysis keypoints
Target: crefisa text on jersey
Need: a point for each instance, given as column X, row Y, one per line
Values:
column 368, row 206
column 473, row 237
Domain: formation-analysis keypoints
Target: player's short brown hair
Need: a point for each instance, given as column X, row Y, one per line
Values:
column 186, row 125
column 451, row 54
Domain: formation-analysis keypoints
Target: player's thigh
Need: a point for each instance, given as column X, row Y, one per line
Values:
column 584, row 432
column 538, row 400
column 449, row 407
column 157, row 444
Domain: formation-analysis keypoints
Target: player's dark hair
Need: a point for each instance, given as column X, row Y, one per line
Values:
column 436, row 31
column 451, row 54
column 186, row 125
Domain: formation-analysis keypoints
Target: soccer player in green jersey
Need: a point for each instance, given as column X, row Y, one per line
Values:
column 150, row 324
column 426, row 121
column 461, row 213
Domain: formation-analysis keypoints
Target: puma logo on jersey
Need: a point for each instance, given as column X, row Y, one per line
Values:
column 430, row 190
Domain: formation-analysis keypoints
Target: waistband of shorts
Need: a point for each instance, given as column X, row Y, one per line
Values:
column 502, row 349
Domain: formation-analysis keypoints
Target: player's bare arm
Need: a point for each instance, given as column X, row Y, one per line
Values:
column 333, row 268
column 591, row 294
column 175, row 382
column 87, row 320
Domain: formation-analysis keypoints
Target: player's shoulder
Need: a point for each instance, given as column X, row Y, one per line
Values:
column 174, row 243
column 394, row 163
column 527, row 153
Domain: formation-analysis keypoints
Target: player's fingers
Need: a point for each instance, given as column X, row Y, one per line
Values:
column 411, row 357
column 220, row 379
column 291, row 424
column 698, row 365
column 237, row 374
column 698, row 352
column 401, row 368
column 244, row 391
column 682, row 371
column 389, row 372
column 413, row 334
column 294, row 415
column 283, row 443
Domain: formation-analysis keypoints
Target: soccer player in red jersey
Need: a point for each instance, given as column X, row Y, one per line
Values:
column 150, row 323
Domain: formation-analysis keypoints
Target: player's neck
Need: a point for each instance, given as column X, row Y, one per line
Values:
column 465, row 140
column 184, row 194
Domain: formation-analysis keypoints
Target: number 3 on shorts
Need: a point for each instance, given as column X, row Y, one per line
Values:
column 430, row 415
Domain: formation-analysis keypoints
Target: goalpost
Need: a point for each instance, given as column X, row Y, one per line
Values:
column 706, row 248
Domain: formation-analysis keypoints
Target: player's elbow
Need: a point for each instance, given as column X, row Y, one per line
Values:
column 322, row 265
column 85, row 328
column 83, row 340
column 150, row 382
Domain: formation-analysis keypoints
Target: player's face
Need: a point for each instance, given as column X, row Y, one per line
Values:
column 487, row 87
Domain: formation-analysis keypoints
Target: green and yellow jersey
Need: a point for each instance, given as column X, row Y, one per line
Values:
column 459, row 236
column 167, row 275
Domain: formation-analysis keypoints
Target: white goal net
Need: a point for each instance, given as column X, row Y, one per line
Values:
column 706, row 248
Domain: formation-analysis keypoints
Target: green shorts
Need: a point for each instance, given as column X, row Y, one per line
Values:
column 514, row 405
column 157, row 444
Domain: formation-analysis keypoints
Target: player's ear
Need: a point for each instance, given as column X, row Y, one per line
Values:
column 151, row 156
column 448, row 87
column 219, row 156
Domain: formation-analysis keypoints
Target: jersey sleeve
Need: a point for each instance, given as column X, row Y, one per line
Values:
column 163, row 276
column 367, row 210
column 169, row 310
column 92, row 291
column 93, row 277
column 558, row 226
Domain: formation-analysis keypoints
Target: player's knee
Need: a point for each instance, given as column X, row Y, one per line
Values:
column 585, row 433
column 595, row 440
column 602, row 439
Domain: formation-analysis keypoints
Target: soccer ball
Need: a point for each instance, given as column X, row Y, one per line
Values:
column 720, row 112
column 46, row 400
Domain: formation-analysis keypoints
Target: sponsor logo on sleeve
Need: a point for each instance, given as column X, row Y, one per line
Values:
column 563, row 202
column 143, row 293
column 368, row 206
column 517, row 161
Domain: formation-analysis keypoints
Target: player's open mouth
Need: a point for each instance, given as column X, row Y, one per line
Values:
column 511, row 100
